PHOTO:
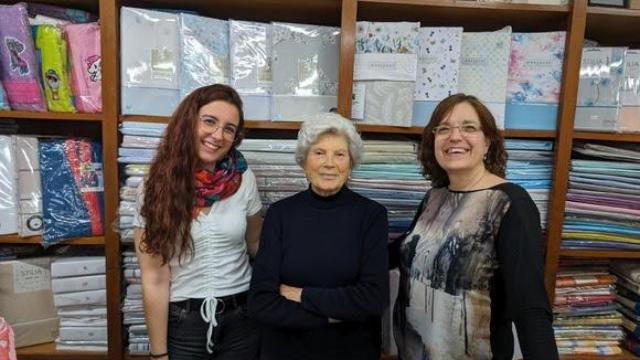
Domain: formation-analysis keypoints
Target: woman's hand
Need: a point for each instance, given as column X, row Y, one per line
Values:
column 291, row 293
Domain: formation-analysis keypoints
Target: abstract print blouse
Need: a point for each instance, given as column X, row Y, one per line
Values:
column 471, row 265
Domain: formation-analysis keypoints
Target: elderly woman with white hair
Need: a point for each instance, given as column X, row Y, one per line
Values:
column 320, row 280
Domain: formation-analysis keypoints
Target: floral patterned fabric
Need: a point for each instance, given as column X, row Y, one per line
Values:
column 438, row 61
column 535, row 67
column 388, row 102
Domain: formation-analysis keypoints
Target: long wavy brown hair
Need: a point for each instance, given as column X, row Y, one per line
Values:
column 169, row 189
column 496, row 158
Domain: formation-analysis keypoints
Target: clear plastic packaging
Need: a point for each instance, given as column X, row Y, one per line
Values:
column 72, row 188
column 601, row 75
column 250, row 49
column 86, row 65
column 304, row 60
column 630, row 93
column 4, row 103
column 71, row 15
column 17, row 55
column 8, row 187
column 150, row 54
column 29, row 188
column 55, row 68
column 438, row 62
column 204, row 44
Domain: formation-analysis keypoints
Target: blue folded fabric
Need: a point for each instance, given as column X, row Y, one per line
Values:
column 522, row 144
column 66, row 214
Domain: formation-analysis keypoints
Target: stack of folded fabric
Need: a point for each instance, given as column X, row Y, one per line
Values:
column 273, row 163
column 530, row 163
column 132, row 308
column 391, row 175
column 586, row 317
column 603, row 205
column 80, row 295
column 138, row 147
column 628, row 287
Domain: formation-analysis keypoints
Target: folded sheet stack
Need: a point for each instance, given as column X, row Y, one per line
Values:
column 603, row 201
column 80, row 294
column 586, row 316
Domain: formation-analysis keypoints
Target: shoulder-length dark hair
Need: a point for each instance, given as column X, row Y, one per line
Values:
column 169, row 188
column 496, row 158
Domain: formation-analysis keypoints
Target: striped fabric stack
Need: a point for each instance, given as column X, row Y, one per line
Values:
column 139, row 143
column 391, row 175
column 603, row 202
column 273, row 162
column 586, row 317
column 628, row 287
column 529, row 165
column 132, row 308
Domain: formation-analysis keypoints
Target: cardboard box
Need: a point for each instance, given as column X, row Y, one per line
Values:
column 26, row 300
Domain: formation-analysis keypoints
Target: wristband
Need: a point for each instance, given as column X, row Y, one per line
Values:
column 156, row 356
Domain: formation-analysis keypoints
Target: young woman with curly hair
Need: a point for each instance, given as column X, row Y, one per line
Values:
column 198, row 221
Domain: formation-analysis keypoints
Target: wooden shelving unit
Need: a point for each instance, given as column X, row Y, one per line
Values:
column 585, row 135
column 50, row 116
column 37, row 240
column 606, row 25
column 47, row 351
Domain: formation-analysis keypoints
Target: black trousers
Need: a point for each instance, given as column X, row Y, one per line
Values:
column 236, row 337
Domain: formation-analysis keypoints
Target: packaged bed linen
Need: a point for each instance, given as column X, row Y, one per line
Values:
column 249, row 51
column 304, row 60
column 19, row 72
column 150, row 59
column 204, row 47
column 72, row 188
column 86, row 65
column 55, row 68
column 8, row 187
column 29, row 188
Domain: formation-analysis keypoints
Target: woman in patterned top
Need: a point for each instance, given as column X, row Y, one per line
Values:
column 472, row 263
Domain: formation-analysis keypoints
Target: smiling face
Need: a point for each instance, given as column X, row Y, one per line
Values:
column 328, row 164
column 460, row 151
column 216, row 130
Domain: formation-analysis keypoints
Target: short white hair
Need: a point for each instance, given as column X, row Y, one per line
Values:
column 328, row 123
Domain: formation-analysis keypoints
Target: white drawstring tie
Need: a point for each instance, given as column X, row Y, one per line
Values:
column 208, row 313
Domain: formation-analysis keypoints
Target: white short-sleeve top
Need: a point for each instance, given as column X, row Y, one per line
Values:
column 220, row 263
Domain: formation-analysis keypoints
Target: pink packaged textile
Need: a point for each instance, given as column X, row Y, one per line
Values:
column 7, row 342
column 86, row 70
column 19, row 72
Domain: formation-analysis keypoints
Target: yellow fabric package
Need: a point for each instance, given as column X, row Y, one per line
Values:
column 55, row 68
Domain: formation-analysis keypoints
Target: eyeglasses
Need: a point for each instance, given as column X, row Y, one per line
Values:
column 212, row 124
column 466, row 129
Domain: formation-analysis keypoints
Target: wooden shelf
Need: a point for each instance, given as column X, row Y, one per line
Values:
column 473, row 16
column 47, row 351
column 295, row 126
column 322, row 12
column 629, row 254
column 53, row 116
column 37, row 240
column 587, row 135
column 599, row 26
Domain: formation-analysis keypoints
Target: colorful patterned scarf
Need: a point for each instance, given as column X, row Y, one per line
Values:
column 219, row 184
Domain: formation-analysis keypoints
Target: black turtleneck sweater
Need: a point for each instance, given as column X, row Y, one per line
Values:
column 335, row 249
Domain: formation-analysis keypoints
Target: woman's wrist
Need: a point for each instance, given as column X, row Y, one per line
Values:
column 158, row 355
